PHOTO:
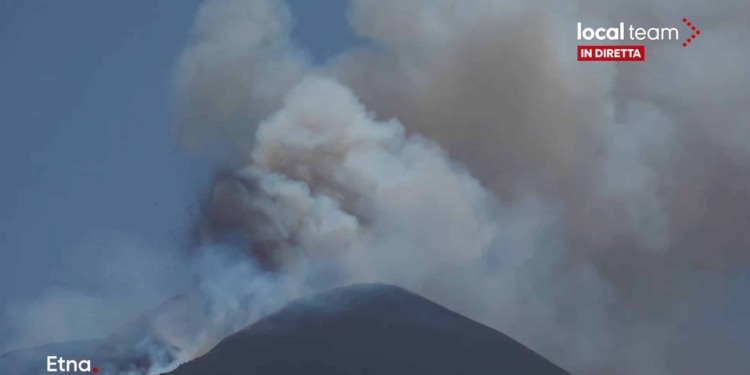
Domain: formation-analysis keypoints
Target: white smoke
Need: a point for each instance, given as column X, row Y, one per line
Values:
column 580, row 233
column 339, row 187
column 466, row 155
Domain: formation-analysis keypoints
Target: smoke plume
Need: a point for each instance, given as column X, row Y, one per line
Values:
column 466, row 155
column 598, row 213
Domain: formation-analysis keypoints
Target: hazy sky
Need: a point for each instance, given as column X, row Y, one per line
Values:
column 87, row 150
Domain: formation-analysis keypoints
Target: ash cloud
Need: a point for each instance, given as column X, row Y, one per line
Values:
column 597, row 213
column 467, row 156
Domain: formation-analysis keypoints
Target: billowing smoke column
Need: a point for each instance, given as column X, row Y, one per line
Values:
column 592, row 211
column 596, row 212
column 327, row 180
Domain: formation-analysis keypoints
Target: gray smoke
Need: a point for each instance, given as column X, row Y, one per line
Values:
column 596, row 212
column 581, row 207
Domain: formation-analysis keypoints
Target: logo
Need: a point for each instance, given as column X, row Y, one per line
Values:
column 695, row 31
column 59, row 364
column 625, row 51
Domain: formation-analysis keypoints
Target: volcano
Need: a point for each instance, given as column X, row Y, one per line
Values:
column 359, row 329
column 368, row 329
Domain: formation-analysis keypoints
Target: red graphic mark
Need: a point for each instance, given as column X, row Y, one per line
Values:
column 696, row 32
column 95, row 369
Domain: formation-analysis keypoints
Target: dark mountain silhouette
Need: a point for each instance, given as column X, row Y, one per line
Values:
column 360, row 329
column 368, row 329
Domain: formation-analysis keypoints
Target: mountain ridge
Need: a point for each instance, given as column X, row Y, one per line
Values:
column 368, row 329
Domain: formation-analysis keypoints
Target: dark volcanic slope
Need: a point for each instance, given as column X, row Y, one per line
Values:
column 368, row 329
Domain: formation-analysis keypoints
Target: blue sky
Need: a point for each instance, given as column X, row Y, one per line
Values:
column 87, row 146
